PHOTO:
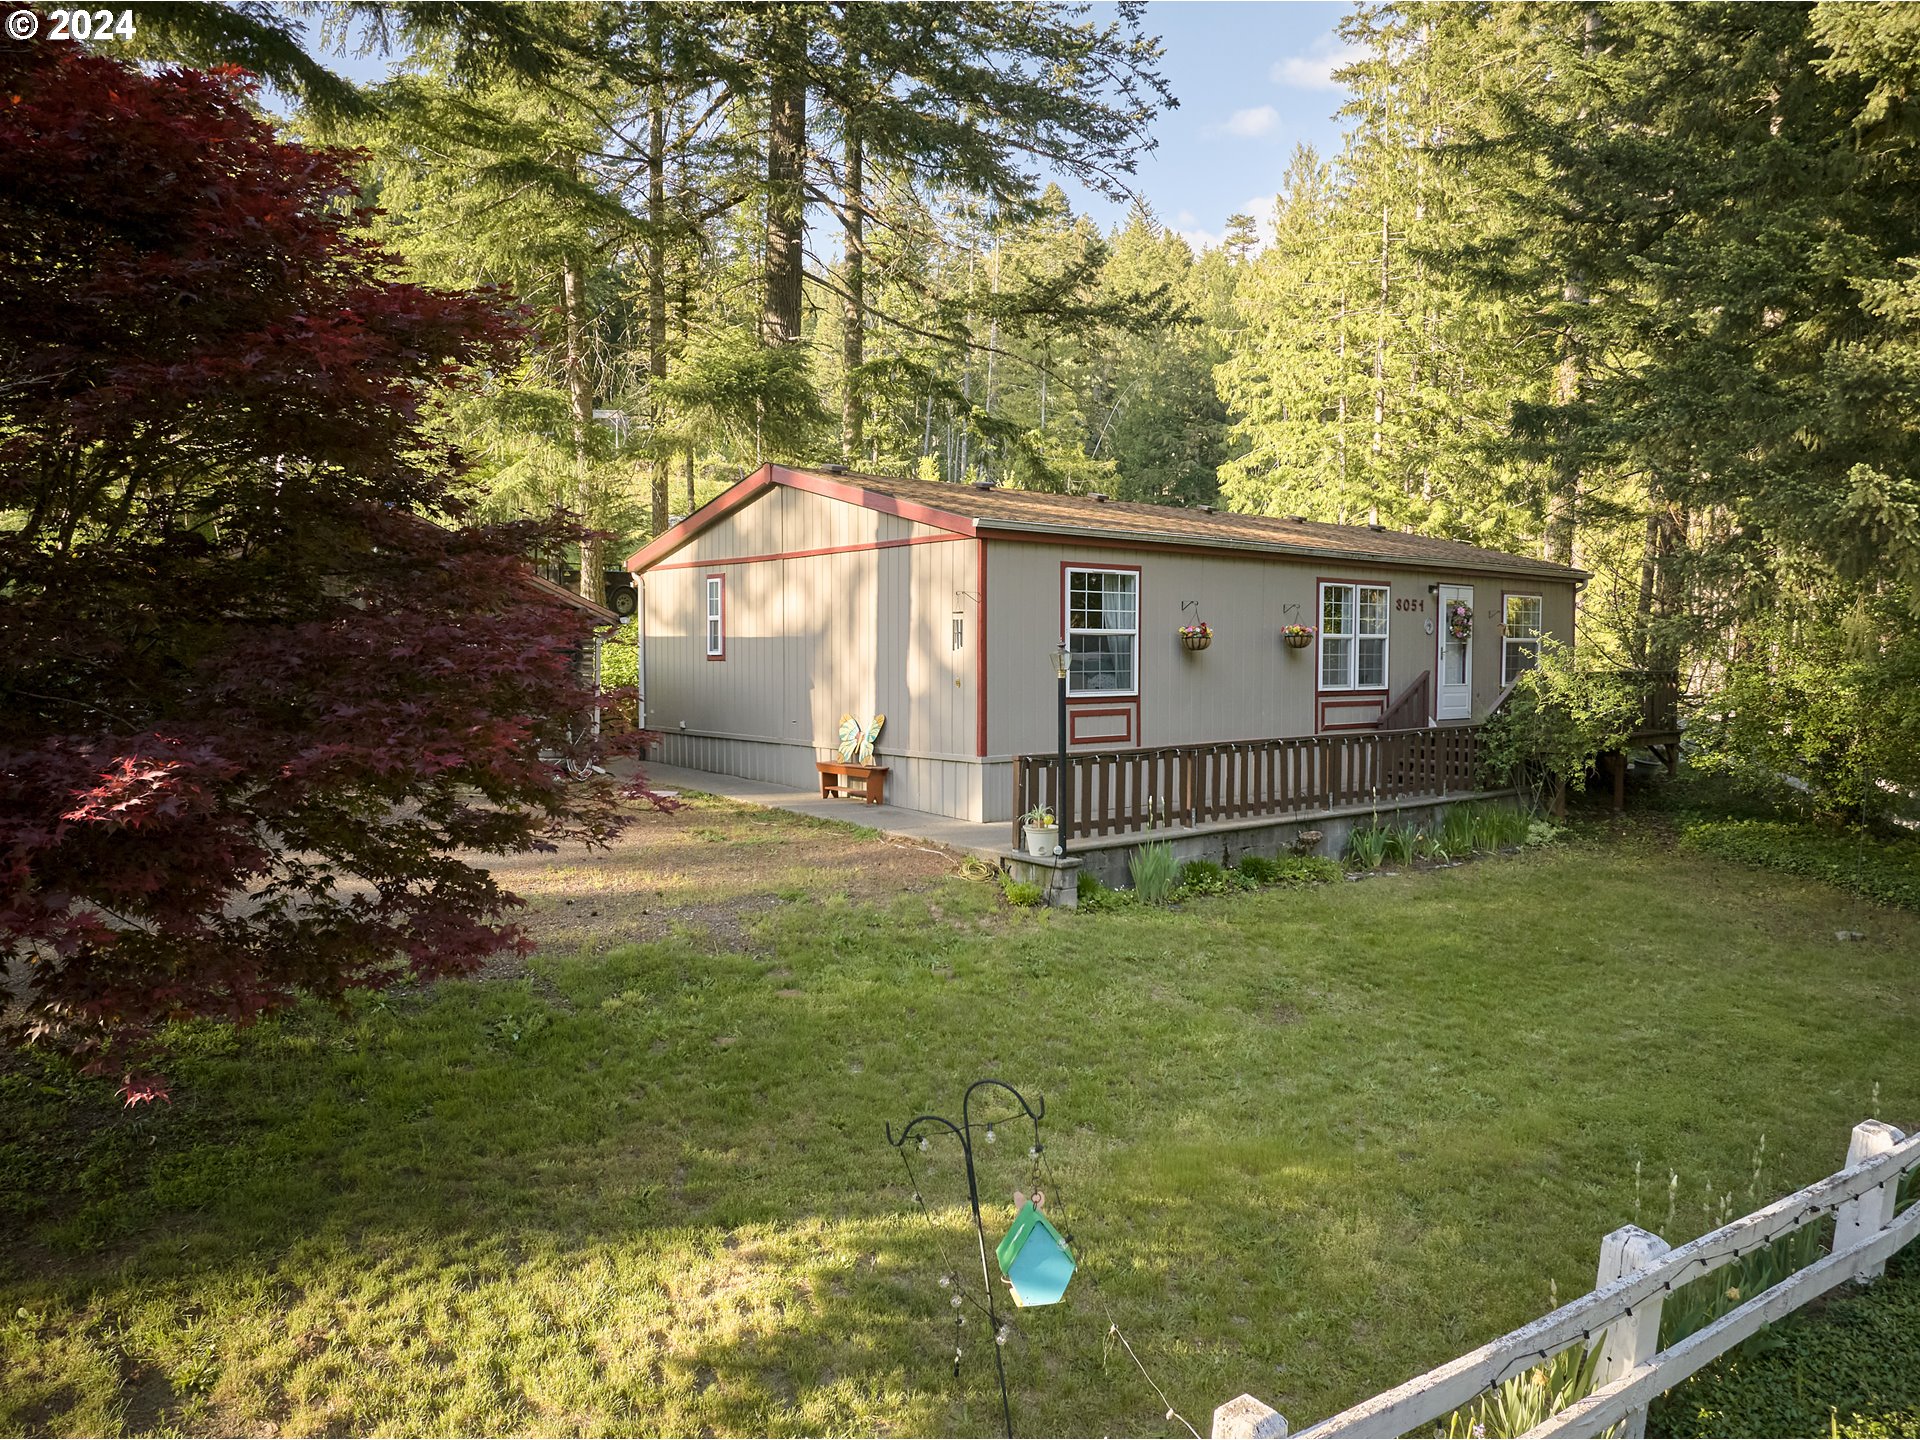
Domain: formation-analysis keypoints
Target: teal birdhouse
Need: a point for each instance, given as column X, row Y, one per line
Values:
column 1035, row 1259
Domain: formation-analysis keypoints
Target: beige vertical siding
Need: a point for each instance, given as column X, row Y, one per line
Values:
column 812, row 636
column 822, row 621
column 1248, row 685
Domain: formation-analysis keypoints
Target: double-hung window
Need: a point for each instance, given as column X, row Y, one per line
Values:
column 1103, row 632
column 1353, row 636
column 1519, row 637
column 716, row 617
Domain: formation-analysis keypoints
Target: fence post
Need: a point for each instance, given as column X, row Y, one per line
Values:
column 1632, row 1340
column 1245, row 1418
column 1855, row 1222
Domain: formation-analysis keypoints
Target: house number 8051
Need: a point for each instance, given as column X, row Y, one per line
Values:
column 1407, row 602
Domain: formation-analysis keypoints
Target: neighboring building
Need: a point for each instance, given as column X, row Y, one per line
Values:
column 799, row 596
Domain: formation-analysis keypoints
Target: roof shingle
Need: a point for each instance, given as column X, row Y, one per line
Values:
column 1030, row 511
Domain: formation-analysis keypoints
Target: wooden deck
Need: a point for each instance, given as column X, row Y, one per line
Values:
column 1121, row 791
column 1658, row 730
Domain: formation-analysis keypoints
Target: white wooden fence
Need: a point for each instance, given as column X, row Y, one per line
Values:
column 1637, row 1272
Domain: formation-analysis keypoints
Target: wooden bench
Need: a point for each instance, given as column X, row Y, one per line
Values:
column 837, row 778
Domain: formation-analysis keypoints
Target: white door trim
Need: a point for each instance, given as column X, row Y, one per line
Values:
column 1452, row 701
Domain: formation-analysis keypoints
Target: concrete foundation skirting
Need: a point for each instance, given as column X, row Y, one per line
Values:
column 1106, row 857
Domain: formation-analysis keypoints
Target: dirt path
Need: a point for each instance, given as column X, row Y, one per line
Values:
column 715, row 867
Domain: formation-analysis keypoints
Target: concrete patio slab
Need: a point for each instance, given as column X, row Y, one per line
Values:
column 970, row 837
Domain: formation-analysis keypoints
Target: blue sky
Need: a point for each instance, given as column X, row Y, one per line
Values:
column 1253, row 80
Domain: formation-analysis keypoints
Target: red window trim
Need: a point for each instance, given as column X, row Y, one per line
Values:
column 1139, row 632
column 705, row 590
column 1526, row 595
column 1320, row 582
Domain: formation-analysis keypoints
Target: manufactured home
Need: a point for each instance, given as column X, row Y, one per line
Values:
column 797, row 597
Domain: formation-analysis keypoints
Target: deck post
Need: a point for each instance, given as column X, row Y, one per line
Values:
column 1858, row 1221
column 1633, row 1339
column 1245, row 1418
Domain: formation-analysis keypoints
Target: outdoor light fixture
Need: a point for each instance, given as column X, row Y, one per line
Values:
column 1062, row 810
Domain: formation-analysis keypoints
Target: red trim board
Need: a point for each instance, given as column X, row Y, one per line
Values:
column 806, row 554
column 1088, row 712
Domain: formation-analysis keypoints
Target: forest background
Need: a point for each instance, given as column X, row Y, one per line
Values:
column 1634, row 287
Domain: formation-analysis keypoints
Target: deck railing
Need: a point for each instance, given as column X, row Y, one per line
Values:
column 1659, row 692
column 1120, row 791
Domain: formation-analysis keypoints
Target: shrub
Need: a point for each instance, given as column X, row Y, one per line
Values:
column 1019, row 892
column 1203, row 877
column 1095, row 897
column 1556, row 722
column 1498, row 826
column 1540, row 832
column 1367, row 846
column 1288, row 870
column 1153, row 870
column 1883, row 870
column 1307, row 870
column 1456, row 832
column 1260, row 869
column 620, row 657
column 1521, row 1403
column 1402, row 843
column 1828, row 693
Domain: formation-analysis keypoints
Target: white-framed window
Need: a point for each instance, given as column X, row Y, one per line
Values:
column 1103, row 632
column 1353, row 636
column 716, row 617
column 1519, row 636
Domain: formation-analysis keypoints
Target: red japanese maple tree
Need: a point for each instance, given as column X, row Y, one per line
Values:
column 261, row 680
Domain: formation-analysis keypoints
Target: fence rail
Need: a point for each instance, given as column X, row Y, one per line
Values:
column 1637, row 1272
column 1119, row 791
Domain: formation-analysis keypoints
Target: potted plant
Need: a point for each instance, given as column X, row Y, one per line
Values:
column 1043, row 832
column 1298, row 637
column 1196, row 637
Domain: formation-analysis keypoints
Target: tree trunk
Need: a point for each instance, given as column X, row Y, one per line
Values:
column 786, row 179
column 1663, row 647
column 853, row 338
column 657, row 268
column 1380, row 355
column 580, row 404
column 1563, row 483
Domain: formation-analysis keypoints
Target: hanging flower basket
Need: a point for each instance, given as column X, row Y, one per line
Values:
column 1459, row 619
column 1196, row 637
column 1298, row 637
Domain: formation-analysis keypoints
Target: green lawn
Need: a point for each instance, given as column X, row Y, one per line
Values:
column 1309, row 1142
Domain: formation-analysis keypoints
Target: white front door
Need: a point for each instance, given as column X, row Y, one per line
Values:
column 1453, row 692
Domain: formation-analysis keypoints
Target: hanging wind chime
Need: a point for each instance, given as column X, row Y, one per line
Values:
column 1033, row 1257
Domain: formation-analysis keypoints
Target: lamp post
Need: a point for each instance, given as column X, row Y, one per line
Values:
column 1062, row 662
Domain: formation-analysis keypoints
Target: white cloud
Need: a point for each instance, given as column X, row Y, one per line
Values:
column 1254, row 123
column 1314, row 70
